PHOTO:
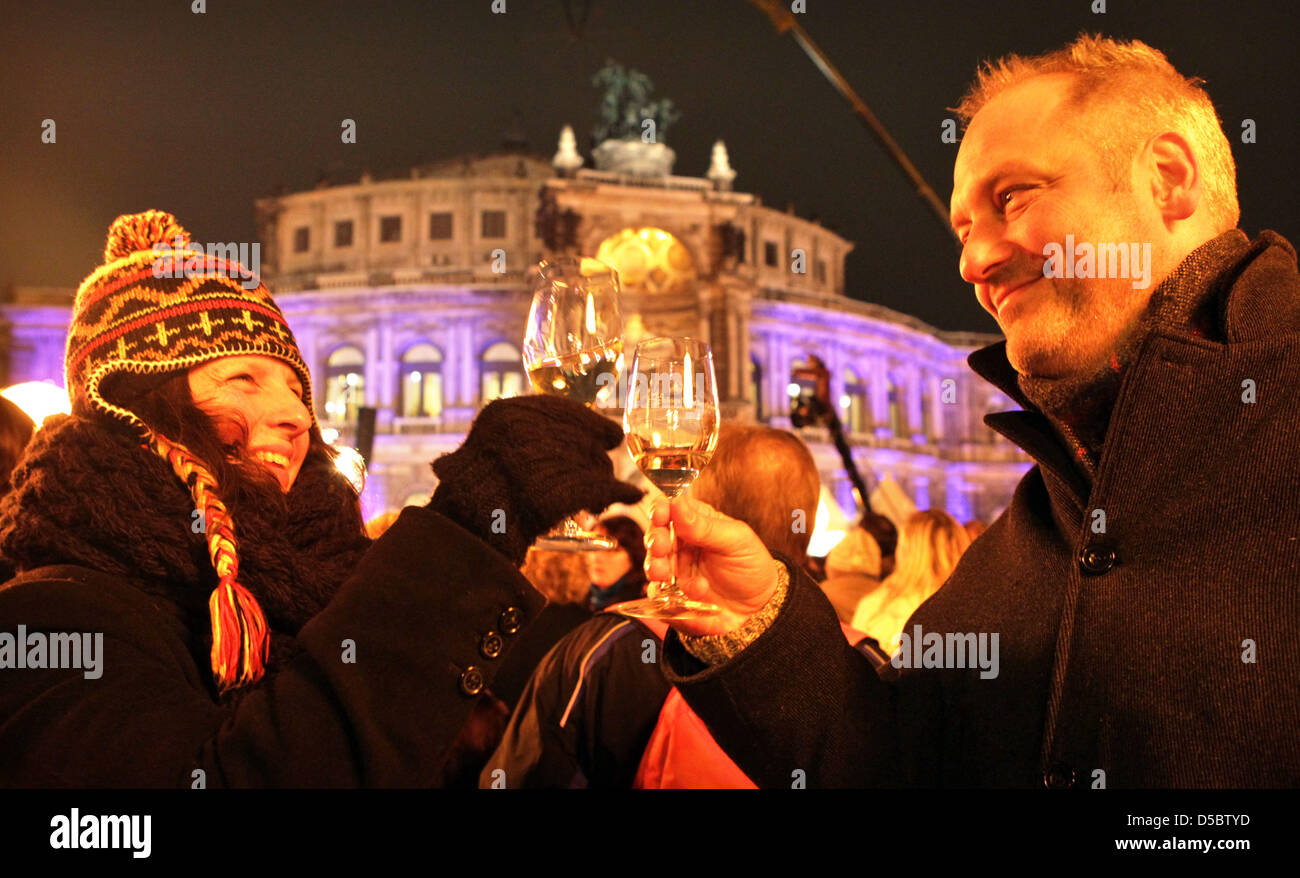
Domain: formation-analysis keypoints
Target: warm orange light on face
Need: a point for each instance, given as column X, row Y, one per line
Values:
column 265, row 394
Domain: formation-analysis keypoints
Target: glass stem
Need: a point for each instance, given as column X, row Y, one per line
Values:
column 670, row 587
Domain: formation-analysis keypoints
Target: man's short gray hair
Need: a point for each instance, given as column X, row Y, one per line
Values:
column 1154, row 96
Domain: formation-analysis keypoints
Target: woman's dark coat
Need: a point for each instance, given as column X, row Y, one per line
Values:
column 377, row 652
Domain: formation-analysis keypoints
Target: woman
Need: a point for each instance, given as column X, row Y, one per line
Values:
column 238, row 627
column 617, row 574
column 929, row 547
column 852, row 572
column 15, row 432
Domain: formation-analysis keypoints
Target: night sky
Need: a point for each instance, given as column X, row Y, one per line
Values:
column 157, row 107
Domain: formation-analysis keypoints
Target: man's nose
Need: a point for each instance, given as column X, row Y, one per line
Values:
column 984, row 255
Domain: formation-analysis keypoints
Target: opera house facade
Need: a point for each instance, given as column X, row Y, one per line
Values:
column 409, row 294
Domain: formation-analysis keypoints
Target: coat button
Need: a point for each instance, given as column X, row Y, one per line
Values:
column 1060, row 777
column 491, row 645
column 1096, row 559
column 471, row 681
column 512, row 619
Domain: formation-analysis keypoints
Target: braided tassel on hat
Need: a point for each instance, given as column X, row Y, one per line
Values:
column 160, row 305
column 239, row 632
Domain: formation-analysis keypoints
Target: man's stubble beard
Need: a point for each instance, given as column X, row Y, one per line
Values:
column 1044, row 346
column 1079, row 347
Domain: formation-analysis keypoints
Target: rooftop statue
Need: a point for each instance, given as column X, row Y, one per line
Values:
column 625, row 105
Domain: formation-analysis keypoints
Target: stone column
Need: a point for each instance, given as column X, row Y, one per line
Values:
column 780, row 410
column 879, row 397
column 373, row 370
column 912, row 403
column 387, row 368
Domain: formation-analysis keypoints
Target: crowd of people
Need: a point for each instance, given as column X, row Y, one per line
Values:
column 233, row 506
column 193, row 599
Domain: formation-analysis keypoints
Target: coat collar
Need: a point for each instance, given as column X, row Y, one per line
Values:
column 1029, row 428
column 1255, row 284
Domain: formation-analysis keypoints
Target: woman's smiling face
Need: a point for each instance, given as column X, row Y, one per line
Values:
column 264, row 393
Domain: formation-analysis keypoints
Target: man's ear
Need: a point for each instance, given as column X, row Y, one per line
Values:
column 1175, row 175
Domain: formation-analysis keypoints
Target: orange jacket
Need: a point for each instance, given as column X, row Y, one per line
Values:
column 682, row 753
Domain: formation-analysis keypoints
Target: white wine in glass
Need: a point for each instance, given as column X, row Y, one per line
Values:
column 573, row 347
column 671, row 421
column 584, row 377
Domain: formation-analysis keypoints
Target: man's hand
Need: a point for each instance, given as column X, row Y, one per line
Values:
column 719, row 559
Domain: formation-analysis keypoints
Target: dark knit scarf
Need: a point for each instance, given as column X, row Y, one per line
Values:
column 1189, row 299
column 88, row 494
column 628, row 587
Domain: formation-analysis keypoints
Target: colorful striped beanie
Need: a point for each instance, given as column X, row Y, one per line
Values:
column 157, row 305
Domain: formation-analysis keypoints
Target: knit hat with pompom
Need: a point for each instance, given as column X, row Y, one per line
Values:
column 160, row 305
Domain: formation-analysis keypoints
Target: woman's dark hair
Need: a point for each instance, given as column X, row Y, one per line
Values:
column 15, row 432
column 629, row 536
column 166, row 405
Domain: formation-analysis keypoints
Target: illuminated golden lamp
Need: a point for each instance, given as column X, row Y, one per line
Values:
column 352, row 465
column 38, row 399
column 829, row 526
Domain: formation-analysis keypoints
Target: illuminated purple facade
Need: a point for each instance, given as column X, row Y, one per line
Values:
column 410, row 295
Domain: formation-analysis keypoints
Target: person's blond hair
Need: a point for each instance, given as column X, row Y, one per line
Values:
column 1151, row 97
column 930, row 544
column 768, row 479
column 560, row 576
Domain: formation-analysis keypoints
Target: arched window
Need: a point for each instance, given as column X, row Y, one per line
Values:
column 421, row 377
column 799, row 386
column 503, row 372
column 928, row 426
column 857, row 414
column 952, row 419
column 897, row 414
column 345, row 383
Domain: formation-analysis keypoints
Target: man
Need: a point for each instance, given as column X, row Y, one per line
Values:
column 597, row 712
column 1141, row 584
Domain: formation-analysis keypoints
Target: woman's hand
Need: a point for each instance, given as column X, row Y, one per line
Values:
column 527, row 464
column 719, row 559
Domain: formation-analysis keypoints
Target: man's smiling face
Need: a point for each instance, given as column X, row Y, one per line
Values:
column 1026, row 176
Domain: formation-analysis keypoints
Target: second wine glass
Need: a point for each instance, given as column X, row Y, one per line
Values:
column 573, row 347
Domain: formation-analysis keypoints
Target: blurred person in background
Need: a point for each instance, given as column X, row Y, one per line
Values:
column 852, row 572
column 616, row 574
column 929, row 547
column 561, row 576
column 15, row 432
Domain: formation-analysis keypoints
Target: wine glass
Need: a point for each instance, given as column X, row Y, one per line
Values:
column 671, row 421
column 573, row 347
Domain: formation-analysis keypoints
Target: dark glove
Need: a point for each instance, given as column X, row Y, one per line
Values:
column 528, row 463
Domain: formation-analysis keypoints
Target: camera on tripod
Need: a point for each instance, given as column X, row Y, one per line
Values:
column 810, row 394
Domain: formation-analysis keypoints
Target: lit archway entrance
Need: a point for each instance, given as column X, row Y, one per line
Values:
column 648, row 258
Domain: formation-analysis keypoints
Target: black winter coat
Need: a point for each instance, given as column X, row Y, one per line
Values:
column 417, row 608
column 1160, row 651
column 588, row 712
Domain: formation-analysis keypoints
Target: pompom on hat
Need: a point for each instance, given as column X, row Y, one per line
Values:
column 159, row 305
